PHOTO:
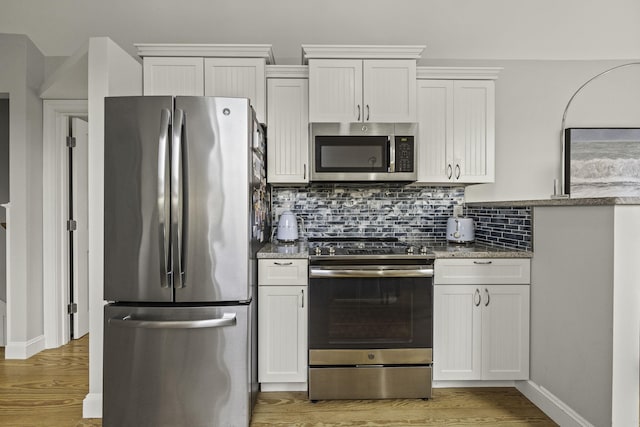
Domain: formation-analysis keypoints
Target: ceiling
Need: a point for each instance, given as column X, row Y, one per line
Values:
column 464, row 29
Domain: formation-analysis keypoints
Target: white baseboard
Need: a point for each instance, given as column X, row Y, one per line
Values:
column 3, row 323
column 92, row 406
column 24, row 349
column 556, row 409
column 283, row 386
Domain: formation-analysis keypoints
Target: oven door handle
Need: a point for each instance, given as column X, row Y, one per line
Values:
column 371, row 271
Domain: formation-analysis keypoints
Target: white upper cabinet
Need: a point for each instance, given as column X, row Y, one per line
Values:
column 353, row 90
column 456, row 119
column 288, row 131
column 473, row 154
column 435, row 130
column 173, row 76
column 359, row 84
column 389, row 93
column 335, row 90
column 239, row 78
column 210, row 70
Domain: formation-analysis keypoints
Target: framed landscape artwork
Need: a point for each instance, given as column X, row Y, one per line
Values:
column 602, row 162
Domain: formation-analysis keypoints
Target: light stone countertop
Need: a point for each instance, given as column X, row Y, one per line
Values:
column 594, row 201
column 441, row 250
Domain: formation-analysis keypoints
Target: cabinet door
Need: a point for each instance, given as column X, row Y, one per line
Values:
column 473, row 132
column 173, row 76
column 389, row 91
column 335, row 90
column 237, row 77
column 505, row 332
column 457, row 344
column 435, row 127
column 282, row 335
column 288, row 131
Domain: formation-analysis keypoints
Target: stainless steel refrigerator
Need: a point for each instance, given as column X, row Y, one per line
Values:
column 185, row 210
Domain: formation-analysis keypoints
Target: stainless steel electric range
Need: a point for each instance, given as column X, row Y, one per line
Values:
column 370, row 319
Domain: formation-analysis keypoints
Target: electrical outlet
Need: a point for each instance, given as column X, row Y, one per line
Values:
column 457, row 210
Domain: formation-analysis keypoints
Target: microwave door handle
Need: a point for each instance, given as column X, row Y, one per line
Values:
column 392, row 155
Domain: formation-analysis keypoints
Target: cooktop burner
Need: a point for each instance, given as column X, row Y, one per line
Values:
column 364, row 247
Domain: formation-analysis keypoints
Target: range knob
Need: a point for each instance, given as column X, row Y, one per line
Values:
column 410, row 250
column 332, row 250
column 318, row 250
column 423, row 250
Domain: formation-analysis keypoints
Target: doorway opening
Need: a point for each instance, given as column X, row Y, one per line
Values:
column 65, row 242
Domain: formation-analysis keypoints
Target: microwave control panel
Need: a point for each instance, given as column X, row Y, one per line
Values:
column 404, row 153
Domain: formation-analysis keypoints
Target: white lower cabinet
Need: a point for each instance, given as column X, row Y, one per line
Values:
column 481, row 331
column 282, row 324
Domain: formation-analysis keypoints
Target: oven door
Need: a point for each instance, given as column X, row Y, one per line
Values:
column 370, row 307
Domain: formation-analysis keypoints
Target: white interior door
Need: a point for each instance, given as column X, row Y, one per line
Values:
column 80, row 271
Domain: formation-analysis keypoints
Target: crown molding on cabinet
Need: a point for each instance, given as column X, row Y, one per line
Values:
column 464, row 73
column 312, row 51
column 207, row 50
column 287, row 71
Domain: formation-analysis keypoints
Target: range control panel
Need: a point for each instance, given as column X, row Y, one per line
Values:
column 404, row 153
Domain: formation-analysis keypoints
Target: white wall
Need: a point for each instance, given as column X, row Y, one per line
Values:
column 112, row 72
column 21, row 73
column 530, row 100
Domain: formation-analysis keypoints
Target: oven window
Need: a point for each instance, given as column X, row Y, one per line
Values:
column 351, row 153
column 370, row 313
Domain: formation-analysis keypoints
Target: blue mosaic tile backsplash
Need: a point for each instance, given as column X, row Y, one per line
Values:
column 504, row 227
column 370, row 210
column 408, row 212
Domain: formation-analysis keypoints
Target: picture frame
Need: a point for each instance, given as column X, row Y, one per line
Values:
column 602, row 162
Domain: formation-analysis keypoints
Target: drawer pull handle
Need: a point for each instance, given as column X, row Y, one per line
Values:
column 482, row 262
column 283, row 263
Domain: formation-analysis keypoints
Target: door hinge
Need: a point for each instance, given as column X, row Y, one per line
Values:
column 72, row 308
column 72, row 225
column 71, row 141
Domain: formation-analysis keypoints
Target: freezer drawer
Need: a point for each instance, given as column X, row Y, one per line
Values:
column 178, row 366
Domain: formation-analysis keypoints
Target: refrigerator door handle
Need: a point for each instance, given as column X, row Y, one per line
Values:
column 227, row 319
column 163, row 208
column 176, row 199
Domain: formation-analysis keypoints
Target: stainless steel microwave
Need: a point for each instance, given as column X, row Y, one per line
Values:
column 363, row 152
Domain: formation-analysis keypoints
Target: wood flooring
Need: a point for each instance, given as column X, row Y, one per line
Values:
column 48, row 389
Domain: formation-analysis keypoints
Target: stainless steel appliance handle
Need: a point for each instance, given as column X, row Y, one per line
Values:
column 319, row 272
column 227, row 319
column 163, row 208
column 176, row 198
column 392, row 155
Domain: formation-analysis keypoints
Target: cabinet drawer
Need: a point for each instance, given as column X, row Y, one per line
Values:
column 282, row 272
column 482, row 271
